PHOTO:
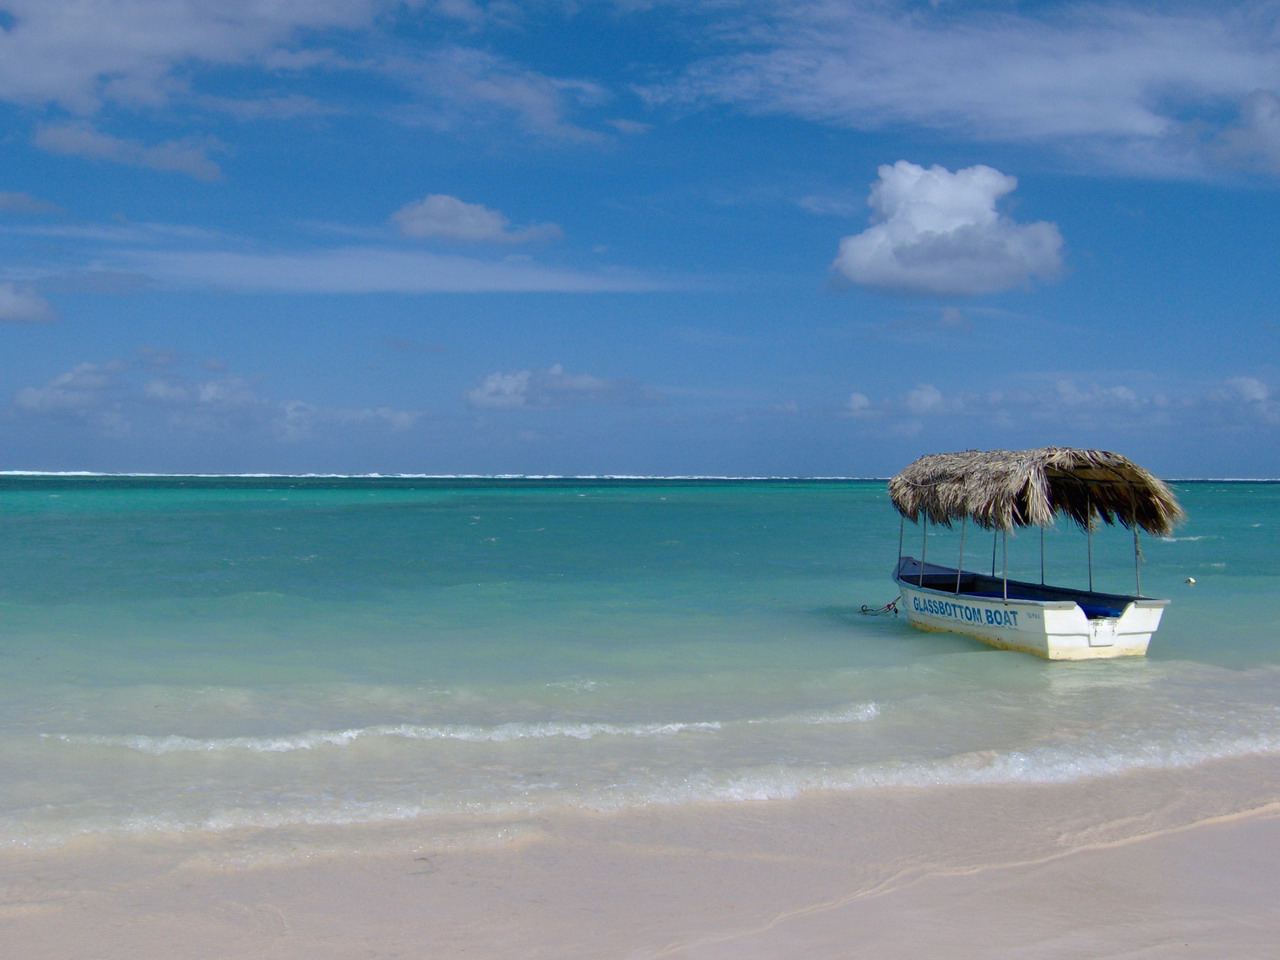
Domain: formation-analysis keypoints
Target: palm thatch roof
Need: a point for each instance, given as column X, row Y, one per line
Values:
column 1003, row 489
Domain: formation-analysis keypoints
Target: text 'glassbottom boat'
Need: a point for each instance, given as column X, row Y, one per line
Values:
column 1002, row 490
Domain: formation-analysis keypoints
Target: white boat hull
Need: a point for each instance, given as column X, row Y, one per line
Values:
column 1057, row 629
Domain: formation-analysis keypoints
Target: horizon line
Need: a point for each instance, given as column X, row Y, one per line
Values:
column 511, row 476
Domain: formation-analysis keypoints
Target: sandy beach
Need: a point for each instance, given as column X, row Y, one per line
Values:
column 1152, row 864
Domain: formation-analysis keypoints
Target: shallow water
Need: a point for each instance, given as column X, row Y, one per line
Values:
column 297, row 660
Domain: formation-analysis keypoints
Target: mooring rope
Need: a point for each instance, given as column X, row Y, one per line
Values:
column 888, row 608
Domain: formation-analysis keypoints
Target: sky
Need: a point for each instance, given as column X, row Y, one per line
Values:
column 636, row 237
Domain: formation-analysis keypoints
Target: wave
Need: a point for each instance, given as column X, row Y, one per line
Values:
column 312, row 739
column 1046, row 765
column 500, row 733
column 774, row 782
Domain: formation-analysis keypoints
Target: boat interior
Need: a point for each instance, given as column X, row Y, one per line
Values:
column 933, row 576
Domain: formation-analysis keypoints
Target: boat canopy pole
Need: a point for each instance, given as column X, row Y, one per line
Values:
column 995, row 538
column 1089, row 531
column 1137, row 559
column 902, row 532
column 1005, row 540
column 960, row 566
column 1042, row 556
column 1137, row 547
column 924, row 550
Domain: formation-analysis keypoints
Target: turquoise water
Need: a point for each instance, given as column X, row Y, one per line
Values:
column 294, row 662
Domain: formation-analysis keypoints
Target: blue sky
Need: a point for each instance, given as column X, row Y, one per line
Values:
column 744, row 237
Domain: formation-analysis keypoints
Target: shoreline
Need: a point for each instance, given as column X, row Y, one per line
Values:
column 1152, row 864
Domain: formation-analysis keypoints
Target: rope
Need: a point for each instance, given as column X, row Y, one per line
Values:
column 888, row 608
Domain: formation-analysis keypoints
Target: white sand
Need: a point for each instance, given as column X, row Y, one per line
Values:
column 1151, row 865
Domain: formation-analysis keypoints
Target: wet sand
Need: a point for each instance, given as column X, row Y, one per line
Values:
column 1154, row 864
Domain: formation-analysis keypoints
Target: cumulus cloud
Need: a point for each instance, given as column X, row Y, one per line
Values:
column 938, row 233
column 548, row 388
column 177, row 156
column 440, row 216
column 19, row 303
column 127, row 396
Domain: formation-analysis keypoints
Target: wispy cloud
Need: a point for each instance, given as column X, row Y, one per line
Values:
column 1137, row 87
column 461, row 87
column 25, row 204
column 19, row 303
column 80, row 55
column 1253, row 143
column 366, row 270
column 439, row 216
column 160, row 393
column 88, row 58
column 189, row 156
column 553, row 387
column 1070, row 404
column 181, row 256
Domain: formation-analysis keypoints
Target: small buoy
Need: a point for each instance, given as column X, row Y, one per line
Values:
column 1189, row 580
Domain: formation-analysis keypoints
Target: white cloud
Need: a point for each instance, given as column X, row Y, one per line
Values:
column 937, row 233
column 1129, row 85
column 1252, row 397
column 1094, row 410
column 444, row 217
column 924, row 398
column 549, row 388
column 86, row 393
column 299, row 421
column 125, row 397
column 177, row 156
column 1072, row 394
column 858, row 406
column 501, row 391
column 20, row 303
column 1248, row 389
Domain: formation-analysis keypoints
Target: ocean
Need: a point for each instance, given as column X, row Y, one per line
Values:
column 268, row 668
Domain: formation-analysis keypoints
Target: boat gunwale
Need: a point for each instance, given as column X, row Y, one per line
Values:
column 1060, row 603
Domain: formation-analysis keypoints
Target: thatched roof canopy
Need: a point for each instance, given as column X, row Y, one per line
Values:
column 1003, row 489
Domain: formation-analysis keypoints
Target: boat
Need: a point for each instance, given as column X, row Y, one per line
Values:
column 1006, row 490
